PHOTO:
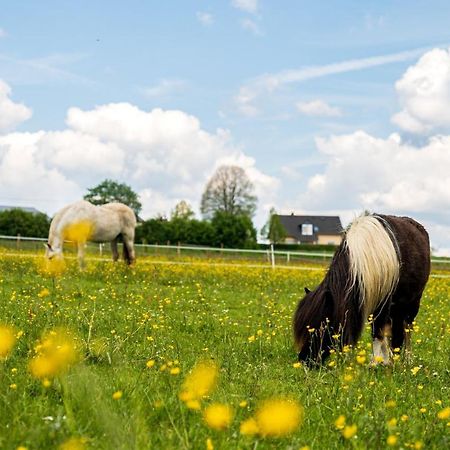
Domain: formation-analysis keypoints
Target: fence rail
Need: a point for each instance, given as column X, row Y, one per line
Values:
column 270, row 255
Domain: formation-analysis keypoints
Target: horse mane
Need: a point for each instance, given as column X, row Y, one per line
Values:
column 374, row 260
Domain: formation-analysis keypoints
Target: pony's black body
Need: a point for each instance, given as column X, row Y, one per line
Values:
column 332, row 315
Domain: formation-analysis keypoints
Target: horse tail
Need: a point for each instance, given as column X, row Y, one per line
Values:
column 374, row 260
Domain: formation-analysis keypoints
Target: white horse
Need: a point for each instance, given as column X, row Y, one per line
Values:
column 82, row 221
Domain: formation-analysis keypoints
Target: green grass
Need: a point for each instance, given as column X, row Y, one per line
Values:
column 180, row 314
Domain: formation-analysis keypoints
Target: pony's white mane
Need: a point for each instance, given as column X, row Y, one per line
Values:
column 374, row 263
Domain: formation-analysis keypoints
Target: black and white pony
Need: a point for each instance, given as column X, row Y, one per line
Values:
column 379, row 270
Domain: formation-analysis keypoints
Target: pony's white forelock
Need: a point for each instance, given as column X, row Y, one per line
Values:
column 374, row 263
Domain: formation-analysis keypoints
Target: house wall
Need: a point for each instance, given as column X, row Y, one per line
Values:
column 290, row 240
column 329, row 239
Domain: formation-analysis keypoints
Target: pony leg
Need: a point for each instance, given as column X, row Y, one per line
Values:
column 381, row 348
column 114, row 250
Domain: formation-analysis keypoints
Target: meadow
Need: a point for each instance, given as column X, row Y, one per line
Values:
column 130, row 338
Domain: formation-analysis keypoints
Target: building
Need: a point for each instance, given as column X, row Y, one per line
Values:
column 312, row 229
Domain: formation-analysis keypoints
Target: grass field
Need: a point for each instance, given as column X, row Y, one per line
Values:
column 135, row 335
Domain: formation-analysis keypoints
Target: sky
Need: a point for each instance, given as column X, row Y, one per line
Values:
column 331, row 107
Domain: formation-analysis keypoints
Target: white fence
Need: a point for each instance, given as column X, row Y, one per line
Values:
column 271, row 256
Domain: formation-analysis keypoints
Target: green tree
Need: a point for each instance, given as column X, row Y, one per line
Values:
column 233, row 231
column 17, row 221
column 229, row 190
column 112, row 191
column 154, row 231
column 273, row 230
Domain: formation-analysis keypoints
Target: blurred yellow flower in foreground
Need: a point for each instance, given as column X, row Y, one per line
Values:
column 278, row 417
column 7, row 340
column 349, row 431
column 55, row 354
column 74, row 444
column 79, row 232
column 444, row 413
column 340, row 422
column 249, row 427
column 52, row 267
column 199, row 382
column 218, row 416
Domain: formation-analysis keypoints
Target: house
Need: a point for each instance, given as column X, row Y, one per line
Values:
column 28, row 209
column 312, row 229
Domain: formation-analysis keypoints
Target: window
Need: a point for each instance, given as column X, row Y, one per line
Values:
column 307, row 229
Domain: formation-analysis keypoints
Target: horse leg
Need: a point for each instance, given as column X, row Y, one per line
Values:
column 80, row 255
column 381, row 332
column 128, row 250
column 114, row 250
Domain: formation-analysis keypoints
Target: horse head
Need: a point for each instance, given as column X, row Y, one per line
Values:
column 52, row 251
column 312, row 330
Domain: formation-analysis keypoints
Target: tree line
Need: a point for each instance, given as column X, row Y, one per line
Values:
column 227, row 206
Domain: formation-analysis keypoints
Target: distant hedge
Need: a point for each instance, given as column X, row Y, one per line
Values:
column 16, row 221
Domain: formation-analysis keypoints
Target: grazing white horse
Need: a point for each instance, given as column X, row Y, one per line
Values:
column 82, row 221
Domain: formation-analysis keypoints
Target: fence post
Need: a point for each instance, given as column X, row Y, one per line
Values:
column 18, row 241
column 272, row 256
column 288, row 257
column 100, row 249
column 178, row 249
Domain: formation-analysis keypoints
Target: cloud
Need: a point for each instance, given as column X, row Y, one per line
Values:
column 3, row 33
column 268, row 83
column 318, row 108
column 252, row 26
column 164, row 88
column 250, row 6
column 424, row 94
column 11, row 114
column 165, row 155
column 206, row 19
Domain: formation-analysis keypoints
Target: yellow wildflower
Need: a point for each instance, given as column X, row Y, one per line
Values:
column 74, row 444
column 117, row 395
column 7, row 340
column 150, row 363
column 391, row 440
column 360, row 359
column 249, row 427
column 349, row 431
column 243, row 404
column 278, row 417
column 444, row 413
column 218, row 416
column 339, row 423
column 209, row 444
column 175, row 371
column 199, row 382
column 44, row 293
column 56, row 353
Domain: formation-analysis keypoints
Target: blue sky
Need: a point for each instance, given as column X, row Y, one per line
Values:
column 319, row 101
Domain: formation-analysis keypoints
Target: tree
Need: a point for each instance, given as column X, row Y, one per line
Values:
column 229, row 190
column 183, row 211
column 111, row 191
column 273, row 230
column 233, row 231
column 16, row 221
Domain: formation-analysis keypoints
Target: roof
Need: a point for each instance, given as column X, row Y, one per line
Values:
column 22, row 208
column 328, row 225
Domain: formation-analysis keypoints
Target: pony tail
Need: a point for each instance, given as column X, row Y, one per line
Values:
column 374, row 260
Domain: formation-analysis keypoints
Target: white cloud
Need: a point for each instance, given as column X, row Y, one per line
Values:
column 206, row 19
column 3, row 33
column 268, row 83
column 164, row 155
column 252, row 26
column 318, row 108
column 164, row 88
column 11, row 114
column 250, row 6
column 424, row 94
